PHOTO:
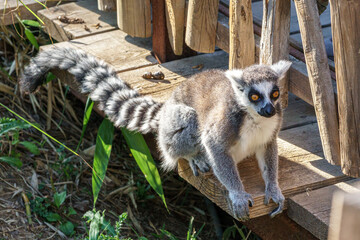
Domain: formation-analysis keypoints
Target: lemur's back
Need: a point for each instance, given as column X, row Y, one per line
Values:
column 210, row 94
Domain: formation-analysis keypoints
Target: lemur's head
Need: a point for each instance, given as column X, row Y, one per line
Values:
column 256, row 87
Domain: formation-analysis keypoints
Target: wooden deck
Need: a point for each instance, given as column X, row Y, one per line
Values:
column 304, row 174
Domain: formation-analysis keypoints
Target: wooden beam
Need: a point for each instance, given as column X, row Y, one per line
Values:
column 134, row 17
column 85, row 10
column 175, row 21
column 201, row 25
column 312, row 209
column 274, row 44
column 107, row 5
column 345, row 23
column 345, row 216
column 319, row 77
column 242, row 43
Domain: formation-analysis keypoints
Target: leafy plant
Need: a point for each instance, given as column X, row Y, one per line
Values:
column 10, row 129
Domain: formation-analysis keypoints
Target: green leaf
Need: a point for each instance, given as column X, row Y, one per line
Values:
column 189, row 232
column 32, row 23
column 49, row 77
column 144, row 160
column 103, row 146
column 31, row 147
column 59, row 198
column 9, row 124
column 67, row 228
column 71, row 211
column 87, row 113
column 53, row 217
column 15, row 161
column 31, row 38
column 31, row 11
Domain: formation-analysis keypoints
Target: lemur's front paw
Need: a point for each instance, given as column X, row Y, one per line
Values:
column 196, row 164
column 240, row 202
column 274, row 192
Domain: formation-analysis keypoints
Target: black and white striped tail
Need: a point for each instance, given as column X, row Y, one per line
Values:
column 124, row 106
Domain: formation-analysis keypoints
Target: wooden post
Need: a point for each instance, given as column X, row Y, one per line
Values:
column 242, row 41
column 107, row 5
column 345, row 216
column 175, row 22
column 345, row 22
column 134, row 17
column 274, row 44
column 201, row 25
column 319, row 78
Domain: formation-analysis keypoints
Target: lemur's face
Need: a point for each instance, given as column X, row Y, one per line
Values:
column 256, row 87
column 263, row 97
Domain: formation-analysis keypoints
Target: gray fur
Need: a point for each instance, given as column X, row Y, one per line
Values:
column 209, row 120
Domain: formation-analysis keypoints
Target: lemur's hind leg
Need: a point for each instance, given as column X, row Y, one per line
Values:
column 178, row 134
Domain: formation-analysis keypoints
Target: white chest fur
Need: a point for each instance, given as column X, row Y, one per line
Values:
column 253, row 134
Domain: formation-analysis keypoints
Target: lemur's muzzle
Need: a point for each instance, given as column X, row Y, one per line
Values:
column 267, row 111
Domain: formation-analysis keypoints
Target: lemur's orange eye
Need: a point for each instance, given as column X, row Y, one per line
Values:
column 254, row 97
column 275, row 94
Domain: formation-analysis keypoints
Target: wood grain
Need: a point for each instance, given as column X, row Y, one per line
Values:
column 175, row 21
column 242, row 43
column 134, row 17
column 319, row 78
column 126, row 52
column 9, row 8
column 311, row 209
column 345, row 216
column 346, row 34
column 274, row 44
column 107, row 5
column 86, row 10
column 201, row 25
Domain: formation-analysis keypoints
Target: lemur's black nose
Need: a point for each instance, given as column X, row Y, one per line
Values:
column 268, row 110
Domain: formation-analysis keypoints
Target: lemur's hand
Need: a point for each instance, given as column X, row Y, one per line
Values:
column 273, row 191
column 240, row 202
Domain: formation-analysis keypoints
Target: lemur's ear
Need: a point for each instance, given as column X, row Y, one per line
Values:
column 234, row 75
column 281, row 67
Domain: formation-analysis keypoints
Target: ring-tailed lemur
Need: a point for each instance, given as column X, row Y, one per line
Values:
column 214, row 119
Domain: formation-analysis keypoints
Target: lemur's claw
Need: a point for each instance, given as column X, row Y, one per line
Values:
column 240, row 202
column 275, row 194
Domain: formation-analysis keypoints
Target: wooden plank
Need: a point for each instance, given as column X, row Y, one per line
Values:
column 274, row 44
column 301, row 166
column 242, row 43
column 319, row 78
column 280, row 228
column 346, row 33
column 345, row 216
column 201, row 25
column 85, row 10
column 107, row 5
column 175, row 73
column 298, row 113
column 134, row 17
column 126, row 52
column 175, row 21
column 311, row 209
column 8, row 9
column 298, row 81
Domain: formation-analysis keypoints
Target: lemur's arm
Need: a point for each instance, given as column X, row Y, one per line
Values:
column 226, row 171
column 267, row 157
